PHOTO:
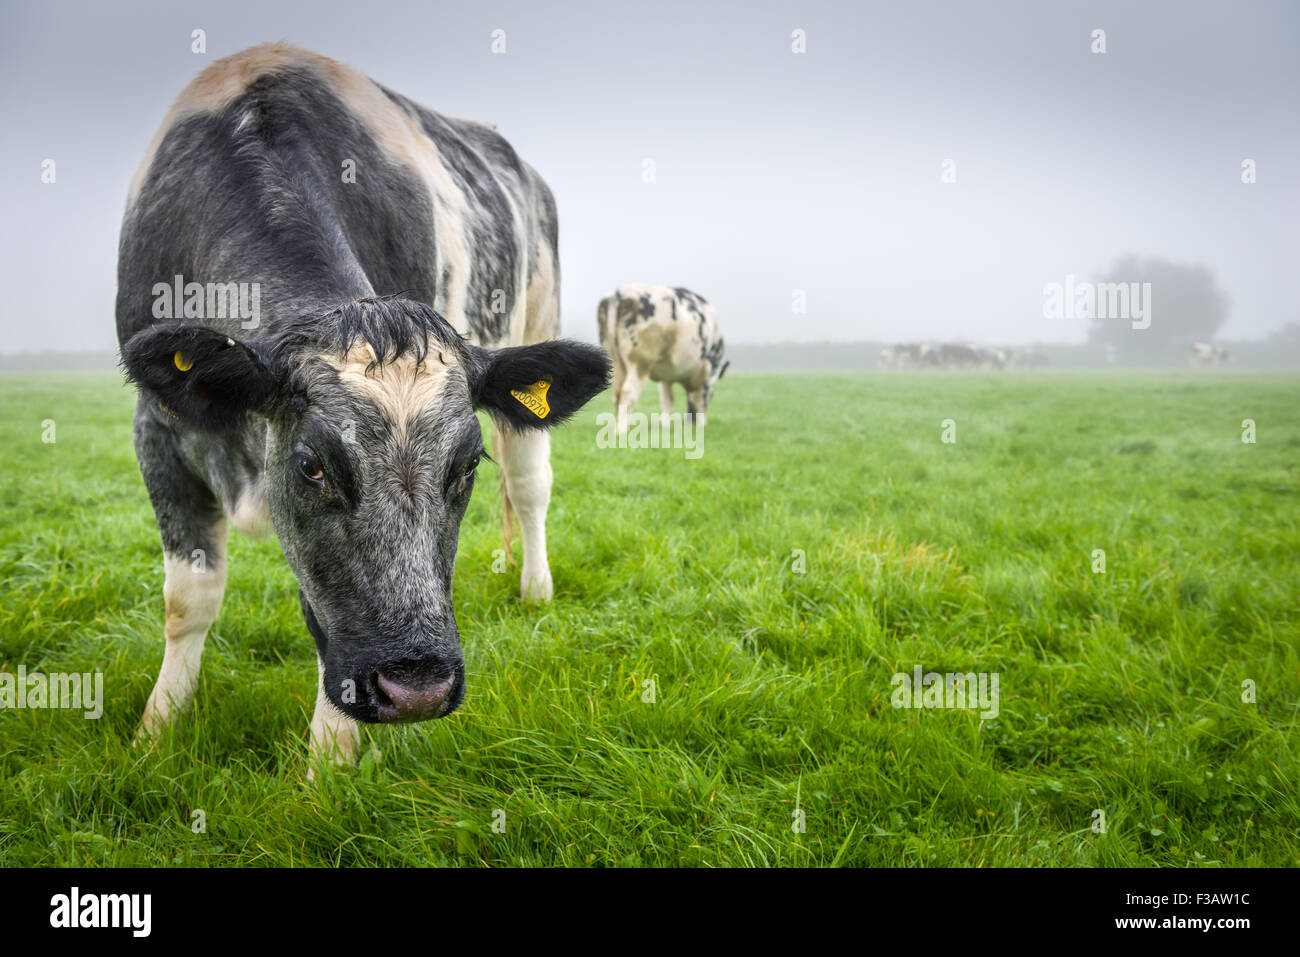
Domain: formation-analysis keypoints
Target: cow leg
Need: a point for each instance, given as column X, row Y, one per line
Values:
column 631, row 391
column 526, row 465
column 335, row 738
column 192, row 591
column 193, row 531
column 666, row 401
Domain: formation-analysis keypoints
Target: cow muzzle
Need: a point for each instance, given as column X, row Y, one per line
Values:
column 402, row 701
column 412, row 690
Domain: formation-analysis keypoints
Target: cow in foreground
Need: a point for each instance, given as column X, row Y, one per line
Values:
column 669, row 335
column 319, row 282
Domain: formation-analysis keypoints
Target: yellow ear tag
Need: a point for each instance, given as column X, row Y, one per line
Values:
column 183, row 362
column 533, row 398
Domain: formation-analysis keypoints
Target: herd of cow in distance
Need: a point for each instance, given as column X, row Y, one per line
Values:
column 954, row 355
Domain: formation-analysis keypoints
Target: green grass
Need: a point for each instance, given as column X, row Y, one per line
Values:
column 1120, row 691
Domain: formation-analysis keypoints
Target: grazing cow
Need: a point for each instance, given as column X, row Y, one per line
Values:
column 1204, row 355
column 954, row 355
column 910, row 355
column 927, row 356
column 668, row 335
column 900, row 356
column 402, row 269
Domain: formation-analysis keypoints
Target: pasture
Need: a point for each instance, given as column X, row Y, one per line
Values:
column 712, row 683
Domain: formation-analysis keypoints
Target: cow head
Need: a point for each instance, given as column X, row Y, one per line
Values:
column 716, row 368
column 371, row 451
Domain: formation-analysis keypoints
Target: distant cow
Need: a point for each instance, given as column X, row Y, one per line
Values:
column 1204, row 355
column 340, row 413
column 670, row 335
column 910, row 355
column 953, row 355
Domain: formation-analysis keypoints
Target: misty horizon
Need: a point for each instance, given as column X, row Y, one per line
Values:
column 917, row 174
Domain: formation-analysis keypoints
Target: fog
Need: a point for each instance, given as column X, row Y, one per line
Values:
column 921, row 171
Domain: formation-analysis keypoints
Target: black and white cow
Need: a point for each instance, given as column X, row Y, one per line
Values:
column 909, row 355
column 670, row 335
column 403, row 268
column 1205, row 355
column 958, row 355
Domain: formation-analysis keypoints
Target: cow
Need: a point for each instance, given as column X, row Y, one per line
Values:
column 954, row 355
column 1205, row 354
column 404, row 270
column 992, row 358
column 927, row 356
column 670, row 335
column 909, row 355
column 899, row 356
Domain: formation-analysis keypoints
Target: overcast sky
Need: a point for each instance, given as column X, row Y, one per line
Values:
column 774, row 171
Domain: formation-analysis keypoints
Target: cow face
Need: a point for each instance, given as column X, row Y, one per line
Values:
column 370, row 458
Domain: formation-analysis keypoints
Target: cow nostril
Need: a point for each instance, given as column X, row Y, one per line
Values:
column 396, row 701
column 381, row 699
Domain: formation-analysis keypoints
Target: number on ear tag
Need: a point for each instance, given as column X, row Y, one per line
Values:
column 533, row 398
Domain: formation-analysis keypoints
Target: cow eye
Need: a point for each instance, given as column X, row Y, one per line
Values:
column 310, row 469
column 459, row 483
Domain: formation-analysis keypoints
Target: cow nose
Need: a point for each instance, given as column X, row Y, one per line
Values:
column 407, row 703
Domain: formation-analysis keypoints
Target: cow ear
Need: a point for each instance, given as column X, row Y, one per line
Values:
column 537, row 386
column 726, row 365
column 202, row 376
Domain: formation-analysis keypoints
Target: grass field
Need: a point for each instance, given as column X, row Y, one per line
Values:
column 1120, row 691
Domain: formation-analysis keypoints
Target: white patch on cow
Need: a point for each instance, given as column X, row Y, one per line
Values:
column 526, row 467
column 399, row 388
column 193, row 599
column 1205, row 354
column 540, row 301
column 334, row 736
column 251, row 514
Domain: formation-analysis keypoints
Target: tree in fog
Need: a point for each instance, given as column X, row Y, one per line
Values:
column 1287, row 336
column 1186, row 306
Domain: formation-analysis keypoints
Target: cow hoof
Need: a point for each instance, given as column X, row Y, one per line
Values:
column 537, row 587
column 323, row 761
column 338, row 757
column 152, row 725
